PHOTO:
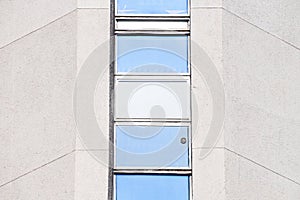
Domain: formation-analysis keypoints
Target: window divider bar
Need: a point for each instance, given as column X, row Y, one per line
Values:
column 152, row 32
column 154, row 171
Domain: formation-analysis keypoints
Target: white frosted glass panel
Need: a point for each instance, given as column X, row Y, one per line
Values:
column 155, row 99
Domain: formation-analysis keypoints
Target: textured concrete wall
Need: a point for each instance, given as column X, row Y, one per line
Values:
column 37, row 69
column 206, row 34
column 91, row 176
column 254, row 46
column 261, row 60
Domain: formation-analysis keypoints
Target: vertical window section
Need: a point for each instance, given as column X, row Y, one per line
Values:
column 151, row 116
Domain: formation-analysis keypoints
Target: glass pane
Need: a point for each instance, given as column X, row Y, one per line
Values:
column 155, row 100
column 152, row 187
column 152, row 54
column 173, row 7
column 152, row 146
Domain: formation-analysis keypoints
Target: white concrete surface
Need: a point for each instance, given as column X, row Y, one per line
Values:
column 246, row 180
column 40, row 70
column 279, row 17
column 262, row 90
column 93, row 4
column 20, row 18
column 91, row 175
column 209, row 175
column 52, row 181
column 206, row 33
column 206, row 3
column 93, row 33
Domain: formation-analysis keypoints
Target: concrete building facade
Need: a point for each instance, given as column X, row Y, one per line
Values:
column 254, row 47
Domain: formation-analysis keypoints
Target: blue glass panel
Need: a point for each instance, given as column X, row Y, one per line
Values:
column 146, row 146
column 152, row 54
column 170, row 7
column 152, row 187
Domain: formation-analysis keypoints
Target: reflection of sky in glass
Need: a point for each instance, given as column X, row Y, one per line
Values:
column 144, row 146
column 152, row 6
column 156, row 54
column 152, row 187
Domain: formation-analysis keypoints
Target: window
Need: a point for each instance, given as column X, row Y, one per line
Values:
column 152, row 99
column 152, row 54
column 152, row 146
column 151, row 116
column 146, row 7
column 154, row 187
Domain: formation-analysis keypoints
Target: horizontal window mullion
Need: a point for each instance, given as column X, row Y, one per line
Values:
column 156, row 18
column 179, row 124
column 151, row 25
column 152, row 15
column 152, row 32
column 162, row 120
column 176, row 171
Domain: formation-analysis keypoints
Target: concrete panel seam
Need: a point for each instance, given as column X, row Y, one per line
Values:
column 37, row 168
column 271, row 34
column 254, row 162
column 38, row 29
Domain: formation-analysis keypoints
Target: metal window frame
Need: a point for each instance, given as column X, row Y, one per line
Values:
column 188, row 14
column 113, row 171
column 186, row 20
